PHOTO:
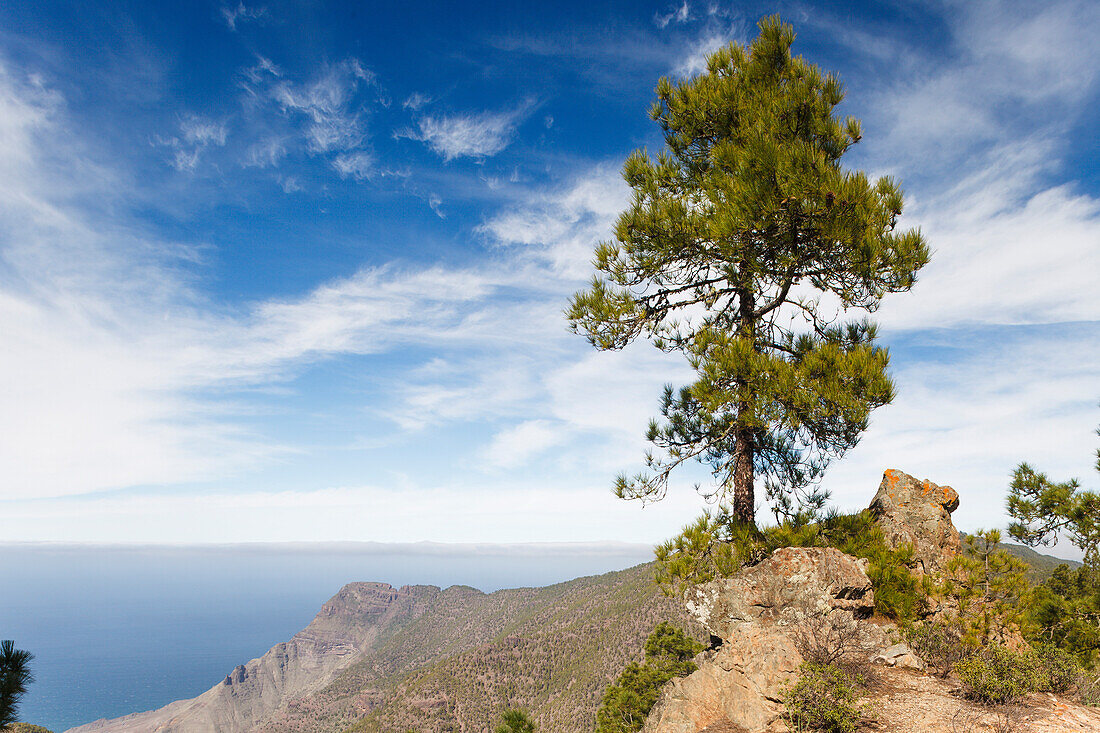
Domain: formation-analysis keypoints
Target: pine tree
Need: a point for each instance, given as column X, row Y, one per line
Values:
column 515, row 721
column 15, row 675
column 1044, row 510
column 745, row 240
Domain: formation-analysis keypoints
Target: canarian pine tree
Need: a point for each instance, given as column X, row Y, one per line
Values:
column 15, row 675
column 745, row 244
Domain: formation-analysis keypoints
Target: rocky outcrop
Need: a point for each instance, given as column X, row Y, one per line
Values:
column 918, row 513
column 758, row 615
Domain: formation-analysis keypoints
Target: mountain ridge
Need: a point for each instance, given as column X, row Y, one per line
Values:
column 397, row 654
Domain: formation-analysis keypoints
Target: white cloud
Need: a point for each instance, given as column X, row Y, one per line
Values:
column 328, row 103
column 200, row 131
column 358, row 165
column 266, row 153
column 1013, row 70
column 516, row 446
column 435, row 201
column 560, row 227
column 677, row 14
column 323, row 116
column 714, row 36
column 415, row 101
column 107, row 344
column 263, row 68
column 195, row 135
column 471, row 135
column 1006, row 251
column 232, row 15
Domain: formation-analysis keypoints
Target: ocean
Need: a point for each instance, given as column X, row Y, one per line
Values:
column 117, row 629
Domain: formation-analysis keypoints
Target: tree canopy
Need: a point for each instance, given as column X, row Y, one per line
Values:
column 744, row 244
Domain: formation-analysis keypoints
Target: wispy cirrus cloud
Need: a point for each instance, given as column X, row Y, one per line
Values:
column 469, row 134
column 196, row 134
column 117, row 369
column 324, row 116
column 677, row 14
column 415, row 101
column 234, row 15
column 334, row 121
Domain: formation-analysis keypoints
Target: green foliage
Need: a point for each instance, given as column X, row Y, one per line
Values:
column 898, row 593
column 988, row 585
column 515, row 721
column 26, row 728
column 15, row 675
column 825, row 699
column 735, row 229
column 626, row 703
column 1065, row 611
column 716, row 545
column 671, row 650
column 998, row 674
column 939, row 644
column 1088, row 690
column 1043, row 510
column 1059, row 668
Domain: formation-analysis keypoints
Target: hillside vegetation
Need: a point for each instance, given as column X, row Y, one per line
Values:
column 551, row 651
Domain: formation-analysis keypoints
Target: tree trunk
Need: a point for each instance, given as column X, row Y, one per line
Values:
column 744, row 499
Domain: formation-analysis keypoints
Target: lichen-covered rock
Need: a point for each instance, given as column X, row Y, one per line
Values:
column 793, row 582
column 739, row 686
column 917, row 513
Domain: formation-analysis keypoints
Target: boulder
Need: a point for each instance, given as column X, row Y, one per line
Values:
column 918, row 513
column 899, row 655
column 793, row 582
column 739, row 686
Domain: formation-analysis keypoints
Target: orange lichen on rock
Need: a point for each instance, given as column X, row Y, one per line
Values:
column 917, row 513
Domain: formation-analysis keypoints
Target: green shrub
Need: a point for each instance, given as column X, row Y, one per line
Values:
column 515, row 721
column 1063, row 611
column 626, row 703
column 1088, row 690
column 824, row 699
column 939, row 644
column 1059, row 668
column 998, row 674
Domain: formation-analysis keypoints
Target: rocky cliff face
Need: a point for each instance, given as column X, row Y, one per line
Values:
column 354, row 620
column 378, row 658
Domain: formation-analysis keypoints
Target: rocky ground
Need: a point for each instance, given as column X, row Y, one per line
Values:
column 904, row 701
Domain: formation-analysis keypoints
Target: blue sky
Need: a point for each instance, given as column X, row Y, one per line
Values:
column 295, row 271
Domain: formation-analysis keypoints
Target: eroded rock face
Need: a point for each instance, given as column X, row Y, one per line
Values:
column 918, row 513
column 739, row 686
column 793, row 582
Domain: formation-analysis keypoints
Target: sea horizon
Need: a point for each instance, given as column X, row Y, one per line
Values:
column 119, row 628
